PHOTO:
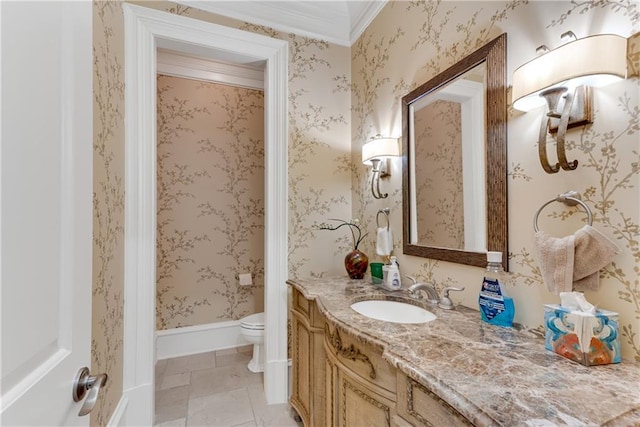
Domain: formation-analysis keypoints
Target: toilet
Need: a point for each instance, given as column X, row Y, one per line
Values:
column 252, row 329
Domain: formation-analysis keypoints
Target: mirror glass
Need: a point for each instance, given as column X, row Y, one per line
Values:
column 448, row 145
column 454, row 166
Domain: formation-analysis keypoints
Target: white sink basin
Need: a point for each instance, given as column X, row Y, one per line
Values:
column 393, row 311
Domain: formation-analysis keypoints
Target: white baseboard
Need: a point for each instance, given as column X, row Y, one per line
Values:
column 198, row 339
column 118, row 418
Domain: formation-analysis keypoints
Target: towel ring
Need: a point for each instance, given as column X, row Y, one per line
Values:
column 384, row 211
column 570, row 198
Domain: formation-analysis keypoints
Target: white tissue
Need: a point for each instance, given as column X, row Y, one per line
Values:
column 576, row 301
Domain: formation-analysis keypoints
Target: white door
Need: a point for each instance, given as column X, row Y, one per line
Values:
column 46, row 209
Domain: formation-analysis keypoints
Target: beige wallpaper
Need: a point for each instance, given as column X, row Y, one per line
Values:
column 410, row 42
column 210, row 202
column 439, row 197
column 108, row 205
column 319, row 147
column 320, row 169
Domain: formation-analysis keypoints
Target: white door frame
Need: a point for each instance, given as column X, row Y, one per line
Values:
column 145, row 30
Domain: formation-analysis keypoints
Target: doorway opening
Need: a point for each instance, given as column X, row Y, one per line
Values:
column 145, row 31
column 210, row 203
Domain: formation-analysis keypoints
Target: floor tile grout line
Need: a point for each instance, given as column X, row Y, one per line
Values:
column 253, row 409
column 186, row 416
column 190, row 371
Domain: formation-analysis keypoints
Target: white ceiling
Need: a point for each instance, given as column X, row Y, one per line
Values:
column 340, row 22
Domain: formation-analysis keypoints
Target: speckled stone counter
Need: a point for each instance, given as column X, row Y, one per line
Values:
column 491, row 375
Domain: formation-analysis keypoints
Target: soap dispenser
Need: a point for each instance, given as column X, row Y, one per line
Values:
column 394, row 261
column 392, row 280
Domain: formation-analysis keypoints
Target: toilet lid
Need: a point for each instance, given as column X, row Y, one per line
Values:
column 254, row 321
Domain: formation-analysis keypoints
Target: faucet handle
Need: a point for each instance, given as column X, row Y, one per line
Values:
column 445, row 302
column 413, row 279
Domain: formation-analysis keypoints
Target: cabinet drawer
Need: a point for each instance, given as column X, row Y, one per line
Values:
column 360, row 358
column 422, row 407
column 358, row 405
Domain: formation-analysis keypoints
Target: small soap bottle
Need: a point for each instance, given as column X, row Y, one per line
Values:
column 392, row 281
column 394, row 261
column 496, row 307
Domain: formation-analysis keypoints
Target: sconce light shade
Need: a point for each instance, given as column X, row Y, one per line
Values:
column 592, row 61
column 560, row 78
column 380, row 148
column 374, row 153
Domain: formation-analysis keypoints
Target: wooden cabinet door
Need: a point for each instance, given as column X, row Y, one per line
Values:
column 330, row 381
column 357, row 405
column 317, row 365
column 308, row 354
column 301, row 376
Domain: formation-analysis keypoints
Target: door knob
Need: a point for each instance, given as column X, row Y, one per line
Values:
column 86, row 382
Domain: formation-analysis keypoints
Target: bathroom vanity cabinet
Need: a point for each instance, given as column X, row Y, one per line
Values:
column 339, row 380
column 351, row 370
column 360, row 385
column 308, row 368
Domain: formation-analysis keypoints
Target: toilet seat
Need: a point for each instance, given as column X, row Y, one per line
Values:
column 253, row 322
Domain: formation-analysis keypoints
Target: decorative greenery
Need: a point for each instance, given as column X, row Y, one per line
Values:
column 353, row 224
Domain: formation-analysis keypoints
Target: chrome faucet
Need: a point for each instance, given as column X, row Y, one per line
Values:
column 445, row 302
column 432, row 294
column 429, row 288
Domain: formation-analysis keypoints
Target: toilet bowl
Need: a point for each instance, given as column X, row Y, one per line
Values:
column 252, row 329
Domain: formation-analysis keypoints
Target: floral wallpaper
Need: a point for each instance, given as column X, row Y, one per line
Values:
column 319, row 147
column 108, row 205
column 210, row 202
column 439, row 196
column 320, row 180
column 340, row 97
column 411, row 42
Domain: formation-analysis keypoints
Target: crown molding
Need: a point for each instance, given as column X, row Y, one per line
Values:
column 339, row 22
column 363, row 16
column 177, row 65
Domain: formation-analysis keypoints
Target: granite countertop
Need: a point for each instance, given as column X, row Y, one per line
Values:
column 491, row 375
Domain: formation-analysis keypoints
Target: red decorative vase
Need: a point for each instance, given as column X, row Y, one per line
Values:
column 356, row 263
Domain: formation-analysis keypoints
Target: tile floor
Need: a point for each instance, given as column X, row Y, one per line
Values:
column 215, row 389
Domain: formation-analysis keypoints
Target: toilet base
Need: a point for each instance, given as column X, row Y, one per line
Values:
column 256, row 364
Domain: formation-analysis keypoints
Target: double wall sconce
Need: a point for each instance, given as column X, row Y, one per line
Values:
column 376, row 153
column 562, row 77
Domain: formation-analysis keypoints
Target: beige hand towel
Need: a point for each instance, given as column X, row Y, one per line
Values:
column 594, row 251
column 573, row 262
column 555, row 258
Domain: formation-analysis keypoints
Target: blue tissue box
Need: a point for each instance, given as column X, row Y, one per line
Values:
column 589, row 339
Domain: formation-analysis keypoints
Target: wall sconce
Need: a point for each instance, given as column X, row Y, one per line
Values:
column 562, row 77
column 377, row 152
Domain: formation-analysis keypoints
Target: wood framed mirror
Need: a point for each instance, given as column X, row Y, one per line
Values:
column 454, row 162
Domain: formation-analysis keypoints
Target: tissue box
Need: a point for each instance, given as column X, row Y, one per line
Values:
column 589, row 339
